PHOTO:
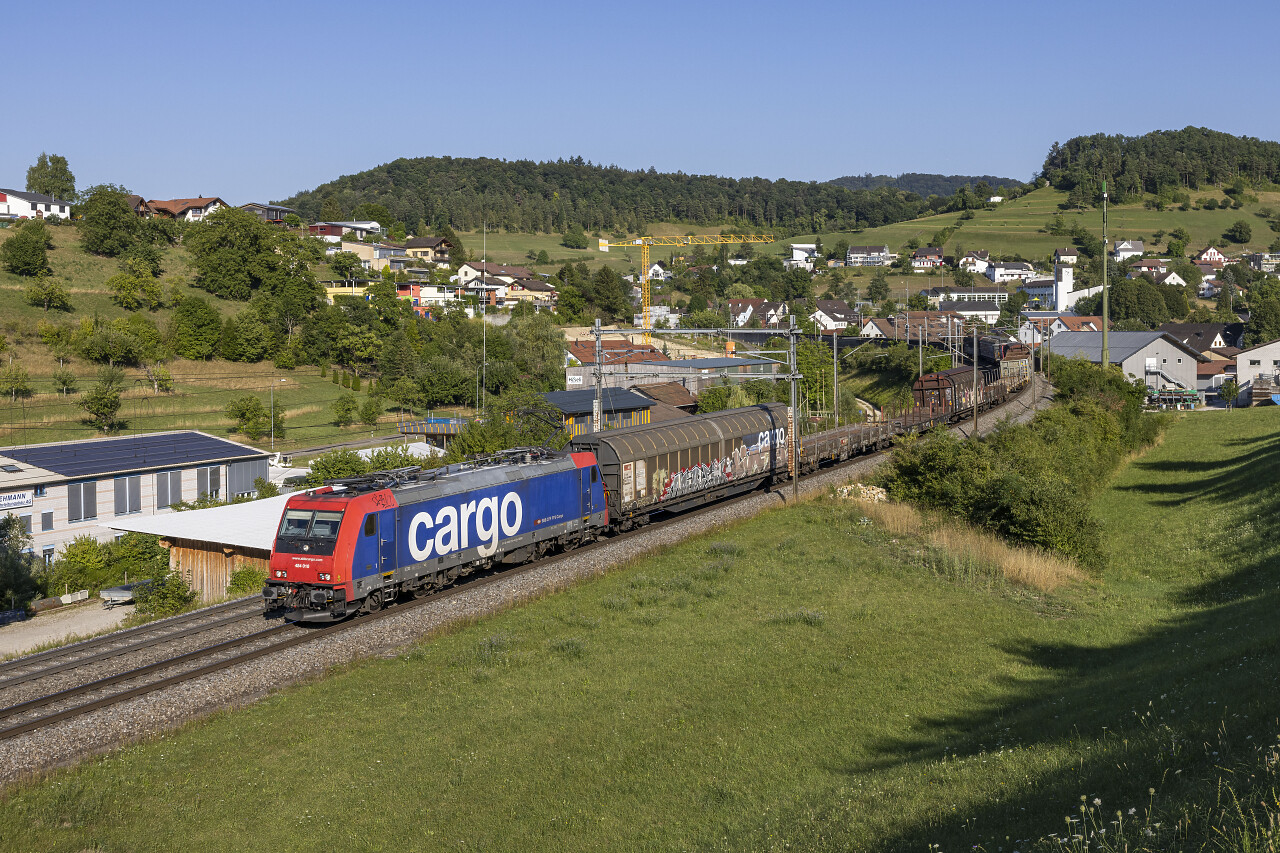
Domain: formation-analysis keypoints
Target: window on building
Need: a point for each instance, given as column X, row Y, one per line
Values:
column 128, row 495
column 41, row 491
column 26, row 522
column 1255, row 362
column 168, row 488
column 82, row 501
column 209, row 481
column 47, row 555
column 46, row 522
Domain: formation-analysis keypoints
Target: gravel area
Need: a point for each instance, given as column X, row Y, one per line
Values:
column 63, row 624
column 64, row 744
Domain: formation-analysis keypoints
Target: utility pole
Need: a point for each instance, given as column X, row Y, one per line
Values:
column 793, row 448
column 920, row 328
column 974, row 432
column 1106, row 312
column 598, row 373
column 835, row 374
column 484, row 327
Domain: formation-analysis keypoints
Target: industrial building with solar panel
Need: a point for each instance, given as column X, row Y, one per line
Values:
column 68, row 488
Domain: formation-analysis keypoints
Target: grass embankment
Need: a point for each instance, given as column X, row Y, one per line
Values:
column 809, row 679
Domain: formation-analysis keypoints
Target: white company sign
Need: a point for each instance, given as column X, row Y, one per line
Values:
column 13, row 500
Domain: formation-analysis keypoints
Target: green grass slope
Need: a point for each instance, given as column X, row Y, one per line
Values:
column 800, row 681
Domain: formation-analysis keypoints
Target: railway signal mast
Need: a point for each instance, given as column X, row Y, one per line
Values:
column 646, row 295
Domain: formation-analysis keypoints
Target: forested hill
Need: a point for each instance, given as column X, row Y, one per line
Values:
column 1161, row 161
column 522, row 195
column 923, row 185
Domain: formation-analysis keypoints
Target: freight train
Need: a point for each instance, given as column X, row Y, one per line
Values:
column 355, row 545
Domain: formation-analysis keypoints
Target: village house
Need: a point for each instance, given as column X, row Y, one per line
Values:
column 868, row 256
column 1212, row 256
column 433, row 250
column 976, row 262
column 16, row 204
column 1004, row 271
column 936, row 326
column 139, row 205
column 1068, row 256
column 333, row 232
column 1258, row 371
column 658, row 271
column 1264, row 261
column 1124, row 249
column 1203, row 337
column 491, row 272
column 273, row 213
column 1148, row 265
column 1170, row 278
column 983, row 312
column 927, row 258
column 190, row 209
column 1057, row 293
column 1039, row 325
column 832, row 315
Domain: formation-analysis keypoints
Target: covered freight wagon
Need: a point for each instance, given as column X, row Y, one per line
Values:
column 690, row 461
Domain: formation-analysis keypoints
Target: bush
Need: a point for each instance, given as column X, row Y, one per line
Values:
column 371, row 411
column 166, row 595
column 246, row 580
column 344, row 409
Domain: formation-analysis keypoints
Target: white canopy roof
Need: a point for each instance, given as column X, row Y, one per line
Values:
column 245, row 525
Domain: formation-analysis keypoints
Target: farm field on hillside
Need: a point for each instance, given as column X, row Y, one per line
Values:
column 202, row 391
column 888, row 697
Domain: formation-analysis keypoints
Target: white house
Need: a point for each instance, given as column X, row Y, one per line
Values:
column 1258, row 365
column 1009, row 271
column 658, row 272
column 937, row 295
column 1127, row 249
column 833, row 314
column 868, row 256
column 742, row 310
column 1171, row 278
column 1066, row 256
column 1154, row 266
column 15, row 204
column 976, row 262
column 995, row 199
column 930, row 257
column 1212, row 256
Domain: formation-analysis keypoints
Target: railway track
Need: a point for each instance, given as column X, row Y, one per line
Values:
column 45, row 709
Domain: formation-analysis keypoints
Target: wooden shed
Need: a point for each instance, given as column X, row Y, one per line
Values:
column 207, row 545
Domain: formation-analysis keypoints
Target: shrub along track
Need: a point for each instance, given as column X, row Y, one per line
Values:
column 58, row 739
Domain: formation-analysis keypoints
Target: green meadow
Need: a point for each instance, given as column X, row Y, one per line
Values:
column 807, row 679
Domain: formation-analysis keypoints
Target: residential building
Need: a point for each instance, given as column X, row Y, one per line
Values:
column 660, row 317
column 936, row 326
column 976, row 262
column 1039, row 325
column 1171, row 278
column 1264, row 261
column 671, row 393
column 374, row 257
column 1212, row 256
column 333, row 232
column 868, row 256
column 613, row 352
column 1155, row 358
column 66, row 489
column 742, row 310
column 1208, row 271
column 17, row 204
column 995, row 199
column 491, row 272
column 1068, row 256
column 1124, row 249
column 1259, row 365
column 1155, row 266
column 1203, row 337
column 927, row 258
column 936, row 295
column 1211, row 374
column 984, row 312
column 139, row 205
column 658, row 271
column 433, row 250
column 273, row 213
column 190, row 209
column 1004, row 271
column 833, row 315
column 533, row 290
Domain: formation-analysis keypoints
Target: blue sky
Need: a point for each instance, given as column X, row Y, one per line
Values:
column 255, row 101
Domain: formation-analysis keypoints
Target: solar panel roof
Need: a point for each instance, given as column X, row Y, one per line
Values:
column 130, row 453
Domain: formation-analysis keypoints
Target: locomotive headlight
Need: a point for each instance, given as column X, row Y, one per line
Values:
column 325, row 576
column 282, row 573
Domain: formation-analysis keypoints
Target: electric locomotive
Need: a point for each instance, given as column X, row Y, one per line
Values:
column 357, row 544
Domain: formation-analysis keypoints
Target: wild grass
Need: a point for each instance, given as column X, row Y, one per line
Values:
column 966, row 551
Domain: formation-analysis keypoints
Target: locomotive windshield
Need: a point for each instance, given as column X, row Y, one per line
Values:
column 307, row 531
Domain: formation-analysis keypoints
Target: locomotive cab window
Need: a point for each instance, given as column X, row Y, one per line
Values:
column 595, row 475
column 308, row 531
column 370, row 524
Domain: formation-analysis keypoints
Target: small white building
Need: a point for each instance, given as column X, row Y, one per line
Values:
column 1004, row 271
column 1127, row 249
column 1257, row 364
column 1057, row 293
column 868, row 256
column 976, row 262
column 16, row 204
column 986, row 312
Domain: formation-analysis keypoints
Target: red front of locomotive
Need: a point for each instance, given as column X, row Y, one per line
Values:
column 310, row 569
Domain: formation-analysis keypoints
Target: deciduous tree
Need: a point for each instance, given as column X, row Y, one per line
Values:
column 49, row 293
column 108, row 225
column 26, row 252
column 52, row 176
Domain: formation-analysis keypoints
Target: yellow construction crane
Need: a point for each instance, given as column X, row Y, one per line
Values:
column 646, row 297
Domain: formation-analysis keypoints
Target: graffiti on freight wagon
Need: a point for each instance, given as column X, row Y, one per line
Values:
column 752, row 457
